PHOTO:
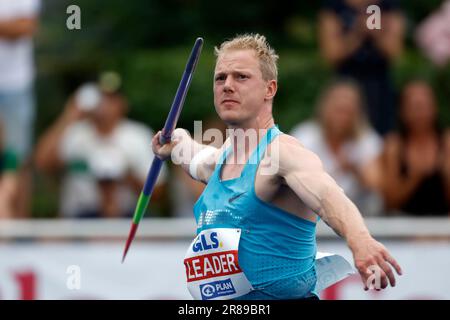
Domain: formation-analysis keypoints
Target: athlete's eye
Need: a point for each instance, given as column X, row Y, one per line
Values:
column 242, row 76
column 220, row 77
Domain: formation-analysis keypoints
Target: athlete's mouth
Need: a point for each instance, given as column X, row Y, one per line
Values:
column 229, row 101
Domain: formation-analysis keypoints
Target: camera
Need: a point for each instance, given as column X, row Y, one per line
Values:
column 88, row 97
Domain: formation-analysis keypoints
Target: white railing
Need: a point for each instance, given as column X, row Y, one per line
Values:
column 181, row 228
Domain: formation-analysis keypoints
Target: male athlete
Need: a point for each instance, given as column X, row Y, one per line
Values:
column 255, row 226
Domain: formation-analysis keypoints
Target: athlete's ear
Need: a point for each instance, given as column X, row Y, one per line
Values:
column 271, row 89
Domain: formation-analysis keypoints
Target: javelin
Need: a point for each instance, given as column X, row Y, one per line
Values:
column 165, row 137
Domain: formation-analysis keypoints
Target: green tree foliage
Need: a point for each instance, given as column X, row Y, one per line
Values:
column 148, row 42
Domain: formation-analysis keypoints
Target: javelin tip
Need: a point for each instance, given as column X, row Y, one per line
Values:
column 129, row 240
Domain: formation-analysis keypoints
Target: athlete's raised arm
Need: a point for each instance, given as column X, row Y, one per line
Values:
column 197, row 159
column 302, row 171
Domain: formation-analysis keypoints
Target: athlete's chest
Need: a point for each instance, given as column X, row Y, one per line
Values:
column 231, row 171
column 267, row 186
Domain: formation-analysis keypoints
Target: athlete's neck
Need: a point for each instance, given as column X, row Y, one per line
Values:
column 244, row 139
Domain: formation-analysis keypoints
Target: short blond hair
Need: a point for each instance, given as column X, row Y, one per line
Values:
column 258, row 43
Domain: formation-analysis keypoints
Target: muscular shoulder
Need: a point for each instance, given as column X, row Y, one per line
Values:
column 302, row 171
column 293, row 156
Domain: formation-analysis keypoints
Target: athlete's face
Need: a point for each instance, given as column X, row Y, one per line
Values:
column 239, row 88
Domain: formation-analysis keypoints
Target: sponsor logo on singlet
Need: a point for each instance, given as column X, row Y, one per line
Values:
column 211, row 265
column 216, row 289
column 204, row 243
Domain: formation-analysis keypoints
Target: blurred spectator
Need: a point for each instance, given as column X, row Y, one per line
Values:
column 348, row 147
column 416, row 162
column 185, row 192
column 18, row 20
column 8, row 179
column 106, row 156
column 18, row 23
column 433, row 35
column 356, row 51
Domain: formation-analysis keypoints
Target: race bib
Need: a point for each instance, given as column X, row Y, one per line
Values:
column 212, row 268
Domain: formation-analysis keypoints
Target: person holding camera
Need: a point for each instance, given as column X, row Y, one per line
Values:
column 104, row 155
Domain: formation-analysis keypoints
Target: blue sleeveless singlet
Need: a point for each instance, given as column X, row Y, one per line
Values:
column 277, row 249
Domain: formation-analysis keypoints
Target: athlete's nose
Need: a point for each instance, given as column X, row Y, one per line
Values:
column 228, row 85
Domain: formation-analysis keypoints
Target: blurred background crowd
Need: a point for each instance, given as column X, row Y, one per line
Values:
column 78, row 108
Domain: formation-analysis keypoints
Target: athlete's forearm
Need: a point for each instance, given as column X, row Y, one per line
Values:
column 342, row 216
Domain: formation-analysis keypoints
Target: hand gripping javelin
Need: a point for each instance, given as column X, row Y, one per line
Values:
column 165, row 137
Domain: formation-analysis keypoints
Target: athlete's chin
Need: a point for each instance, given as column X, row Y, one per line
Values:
column 229, row 116
column 231, row 121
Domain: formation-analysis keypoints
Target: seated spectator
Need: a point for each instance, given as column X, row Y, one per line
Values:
column 348, row 147
column 8, row 179
column 106, row 156
column 416, row 159
column 354, row 50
